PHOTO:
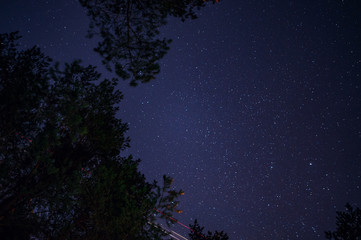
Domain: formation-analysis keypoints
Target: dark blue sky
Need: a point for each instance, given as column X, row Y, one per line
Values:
column 256, row 111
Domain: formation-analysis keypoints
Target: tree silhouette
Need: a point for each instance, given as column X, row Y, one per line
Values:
column 129, row 31
column 197, row 233
column 348, row 225
column 61, row 176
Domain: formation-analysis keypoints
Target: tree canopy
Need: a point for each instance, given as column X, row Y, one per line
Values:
column 129, row 31
column 197, row 233
column 61, row 174
column 348, row 225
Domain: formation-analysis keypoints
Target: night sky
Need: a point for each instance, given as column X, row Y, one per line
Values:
column 256, row 111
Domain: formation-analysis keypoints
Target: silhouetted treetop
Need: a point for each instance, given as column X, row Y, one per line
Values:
column 61, row 176
column 129, row 31
column 348, row 225
column 197, row 233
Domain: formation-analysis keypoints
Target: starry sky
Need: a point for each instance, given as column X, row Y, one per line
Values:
column 256, row 111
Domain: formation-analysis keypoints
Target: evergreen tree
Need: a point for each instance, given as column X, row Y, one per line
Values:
column 348, row 225
column 61, row 174
column 197, row 233
column 129, row 31
column 57, row 126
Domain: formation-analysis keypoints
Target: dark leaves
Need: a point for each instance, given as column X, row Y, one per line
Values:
column 129, row 31
column 60, row 171
column 348, row 225
column 197, row 233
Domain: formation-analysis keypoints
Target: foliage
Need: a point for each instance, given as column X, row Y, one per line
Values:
column 60, row 172
column 348, row 225
column 197, row 233
column 129, row 31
